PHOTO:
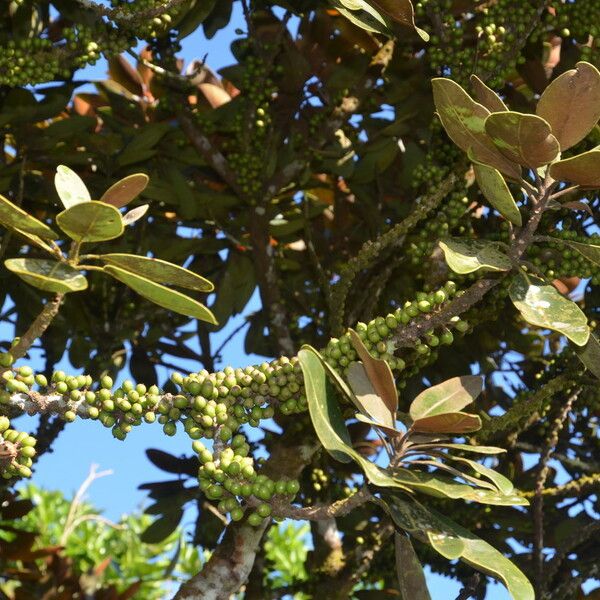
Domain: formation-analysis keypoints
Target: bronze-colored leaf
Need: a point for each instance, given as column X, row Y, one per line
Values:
column 487, row 96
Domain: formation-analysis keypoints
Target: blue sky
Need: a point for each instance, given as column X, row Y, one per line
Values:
column 84, row 443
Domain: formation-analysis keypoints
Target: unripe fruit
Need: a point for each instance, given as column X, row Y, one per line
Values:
column 70, row 416
column 255, row 519
column 236, row 514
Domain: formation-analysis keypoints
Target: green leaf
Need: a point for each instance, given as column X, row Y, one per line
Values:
column 453, row 541
column 447, row 397
column 467, row 256
column 589, row 355
column 124, row 191
column 379, row 374
column 162, row 528
column 47, row 275
column 453, row 422
column 487, row 96
column 161, row 295
column 494, row 188
column 583, row 169
column 542, row 305
column 159, row 271
column 362, row 15
column 14, row 217
column 522, row 138
column 463, row 447
column 91, row 222
column 464, row 122
column 411, row 578
column 589, row 251
column 504, row 485
column 571, row 104
column 70, row 188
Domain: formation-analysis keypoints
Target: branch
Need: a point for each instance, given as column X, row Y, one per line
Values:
column 38, row 327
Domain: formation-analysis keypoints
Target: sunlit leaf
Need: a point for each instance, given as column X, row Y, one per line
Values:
column 542, row 305
column 453, row 541
column 159, row 271
column 70, row 187
column 453, row 422
column 571, row 104
column 504, row 485
column 392, row 432
column 124, row 191
column 522, row 138
column 380, row 375
column 162, row 295
column 467, row 256
column 411, row 578
column 47, row 275
column 402, row 12
column 447, row 397
column 91, row 222
column 582, row 170
column 486, row 96
column 464, row 122
column 135, row 215
column 463, row 447
column 589, row 355
column 496, row 192
column 369, row 401
column 14, row 217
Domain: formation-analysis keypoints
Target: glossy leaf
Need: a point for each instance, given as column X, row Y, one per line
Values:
column 135, row 214
column 582, row 170
column 159, row 271
column 411, row 578
column 453, row 541
column 380, row 375
column 496, row 192
column 91, row 222
column 523, row 138
column 391, row 432
column 467, row 256
column 124, row 191
column 369, row 401
column 504, row 485
column 571, row 104
column 161, row 295
column 47, row 275
column 453, row 422
column 487, row 96
column 464, row 122
column 542, row 305
column 589, row 355
column 70, row 187
column 447, row 397
column 14, row 217
column 463, row 447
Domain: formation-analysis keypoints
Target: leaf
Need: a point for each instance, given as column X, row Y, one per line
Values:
column 589, row 355
column 463, row 447
column 362, row 15
column 494, row 188
column 14, row 217
column 402, row 12
column 453, row 422
column 467, row 256
column 411, row 578
column 159, row 271
column 390, row 431
column 379, row 373
column 443, row 534
column 47, row 275
column 583, row 169
column 124, row 191
column 522, row 138
column 571, row 104
column 542, row 305
column 589, row 251
column 135, row 214
column 368, row 400
column 71, row 189
column 464, row 122
column 487, row 96
column 161, row 295
column 91, row 222
column 504, row 485
column 447, row 397
column 162, row 528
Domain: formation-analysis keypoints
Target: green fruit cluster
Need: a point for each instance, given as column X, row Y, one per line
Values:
column 17, row 449
column 229, row 476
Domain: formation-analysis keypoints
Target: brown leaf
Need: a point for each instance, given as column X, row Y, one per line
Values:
column 456, row 422
column 571, row 104
column 214, row 94
column 487, row 96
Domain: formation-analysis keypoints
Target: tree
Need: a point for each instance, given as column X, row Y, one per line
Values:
column 411, row 188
